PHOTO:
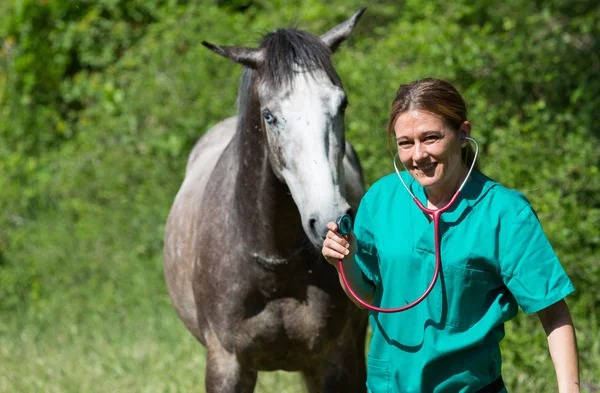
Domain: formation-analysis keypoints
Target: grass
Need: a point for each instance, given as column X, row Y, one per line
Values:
column 83, row 312
column 95, row 317
column 145, row 350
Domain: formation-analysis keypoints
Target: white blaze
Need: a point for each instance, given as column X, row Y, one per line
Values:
column 306, row 144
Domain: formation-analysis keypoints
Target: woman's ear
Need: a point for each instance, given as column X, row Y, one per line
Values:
column 464, row 132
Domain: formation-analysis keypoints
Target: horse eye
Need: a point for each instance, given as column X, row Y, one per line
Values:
column 268, row 116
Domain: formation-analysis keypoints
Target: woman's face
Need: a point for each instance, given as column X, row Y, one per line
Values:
column 430, row 150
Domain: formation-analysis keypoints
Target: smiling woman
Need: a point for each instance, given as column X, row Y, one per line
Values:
column 430, row 152
column 436, row 97
column 489, row 249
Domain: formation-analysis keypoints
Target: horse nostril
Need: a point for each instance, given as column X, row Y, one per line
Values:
column 312, row 223
column 351, row 213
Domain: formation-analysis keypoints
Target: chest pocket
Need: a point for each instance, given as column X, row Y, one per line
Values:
column 466, row 295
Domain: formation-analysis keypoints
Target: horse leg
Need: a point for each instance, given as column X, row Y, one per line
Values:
column 342, row 372
column 225, row 374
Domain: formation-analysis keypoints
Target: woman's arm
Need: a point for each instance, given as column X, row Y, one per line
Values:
column 361, row 287
column 557, row 322
column 336, row 247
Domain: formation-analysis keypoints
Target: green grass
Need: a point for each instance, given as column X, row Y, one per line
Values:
column 97, row 318
column 140, row 350
column 85, row 313
column 147, row 349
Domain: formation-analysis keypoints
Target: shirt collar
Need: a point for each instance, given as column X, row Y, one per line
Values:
column 471, row 193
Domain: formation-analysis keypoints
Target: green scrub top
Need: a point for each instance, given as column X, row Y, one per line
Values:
column 495, row 258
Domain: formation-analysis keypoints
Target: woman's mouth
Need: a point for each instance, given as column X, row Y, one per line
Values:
column 427, row 167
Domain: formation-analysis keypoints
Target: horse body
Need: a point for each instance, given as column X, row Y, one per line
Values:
column 240, row 259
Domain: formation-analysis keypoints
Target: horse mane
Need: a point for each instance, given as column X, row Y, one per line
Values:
column 287, row 50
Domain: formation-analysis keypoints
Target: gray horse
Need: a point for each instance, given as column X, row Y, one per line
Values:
column 242, row 244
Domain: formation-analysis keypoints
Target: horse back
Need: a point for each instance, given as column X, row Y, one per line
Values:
column 181, row 229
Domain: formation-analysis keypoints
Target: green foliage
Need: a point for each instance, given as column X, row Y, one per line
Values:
column 100, row 103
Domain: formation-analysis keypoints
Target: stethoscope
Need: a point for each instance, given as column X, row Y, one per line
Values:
column 344, row 224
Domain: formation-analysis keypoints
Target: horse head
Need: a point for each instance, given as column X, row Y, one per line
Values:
column 302, row 102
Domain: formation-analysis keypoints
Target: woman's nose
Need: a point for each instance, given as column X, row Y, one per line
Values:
column 419, row 152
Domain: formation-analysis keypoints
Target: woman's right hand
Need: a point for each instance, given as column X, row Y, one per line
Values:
column 336, row 246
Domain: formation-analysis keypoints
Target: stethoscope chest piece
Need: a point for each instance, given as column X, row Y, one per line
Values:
column 344, row 224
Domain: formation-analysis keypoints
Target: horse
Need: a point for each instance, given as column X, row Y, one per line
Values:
column 242, row 241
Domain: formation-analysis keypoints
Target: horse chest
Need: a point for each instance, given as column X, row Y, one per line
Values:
column 291, row 313
column 285, row 328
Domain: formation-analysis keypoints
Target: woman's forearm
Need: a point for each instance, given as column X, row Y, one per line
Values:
column 563, row 350
column 562, row 344
column 360, row 286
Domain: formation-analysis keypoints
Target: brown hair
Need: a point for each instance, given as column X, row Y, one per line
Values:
column 438, row 97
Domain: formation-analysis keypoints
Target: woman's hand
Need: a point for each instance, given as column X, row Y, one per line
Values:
column 336, row 246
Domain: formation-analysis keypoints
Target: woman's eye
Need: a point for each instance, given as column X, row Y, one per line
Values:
column 431, row 138
column 404, row 144
column 268, row 116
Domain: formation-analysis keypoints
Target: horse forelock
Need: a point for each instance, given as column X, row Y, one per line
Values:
column 287, row 50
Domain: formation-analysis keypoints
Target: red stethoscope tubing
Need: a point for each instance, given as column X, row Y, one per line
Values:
column 435, row 213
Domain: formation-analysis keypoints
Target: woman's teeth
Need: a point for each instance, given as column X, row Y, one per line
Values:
column 426, row 168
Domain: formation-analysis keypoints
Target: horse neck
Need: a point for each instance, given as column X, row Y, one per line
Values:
column 265, row 205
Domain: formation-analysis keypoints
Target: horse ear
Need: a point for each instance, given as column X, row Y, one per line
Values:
column 249, row 57
column 334, row 37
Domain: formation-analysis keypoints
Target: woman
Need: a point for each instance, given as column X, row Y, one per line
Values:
column 495, row 258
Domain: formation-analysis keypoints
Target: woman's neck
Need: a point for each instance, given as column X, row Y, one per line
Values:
column 438, row 196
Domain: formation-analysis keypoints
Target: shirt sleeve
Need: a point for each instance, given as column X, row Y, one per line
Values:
column 530, row 268
column 366, row 255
